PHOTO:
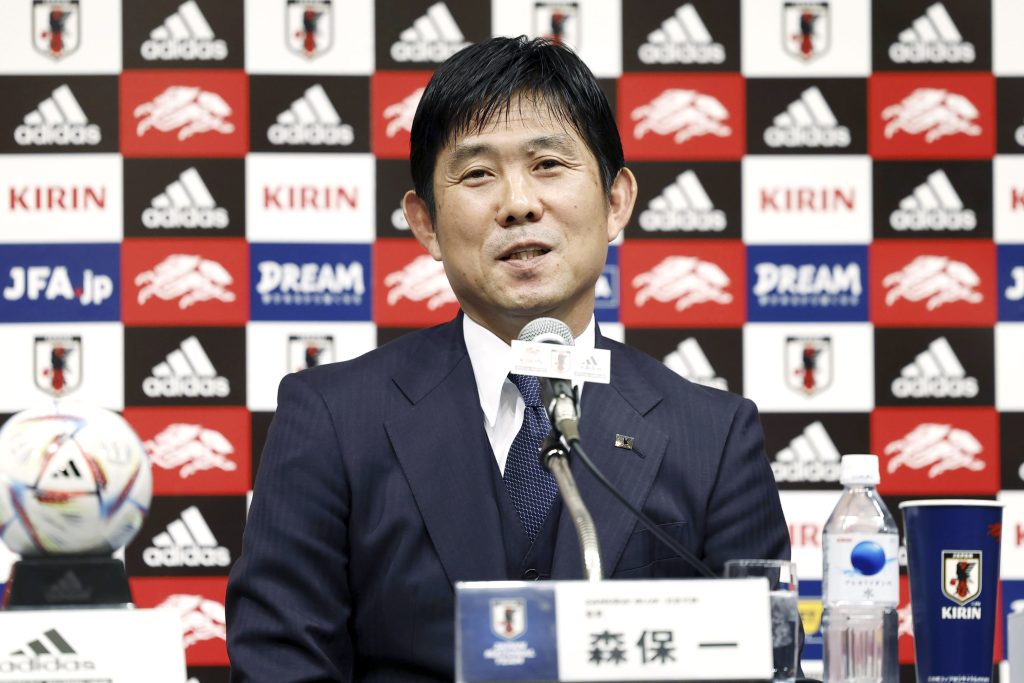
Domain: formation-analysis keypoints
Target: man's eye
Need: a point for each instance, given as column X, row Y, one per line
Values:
column 475, row 174
column 548, row 164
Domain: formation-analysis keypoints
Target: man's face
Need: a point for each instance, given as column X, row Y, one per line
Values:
column 522, row 221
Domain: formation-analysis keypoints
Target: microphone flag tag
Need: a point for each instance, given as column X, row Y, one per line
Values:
column 561, row 362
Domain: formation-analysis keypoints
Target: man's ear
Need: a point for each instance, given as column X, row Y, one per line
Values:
column 621, row 199
column 419, row 220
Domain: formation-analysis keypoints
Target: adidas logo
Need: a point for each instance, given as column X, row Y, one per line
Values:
column 935, row 373
column 811, row 456
column 48, row 653
column 682, row 39
column 185, row 203
column 187, row 372
column 58, row 120
column 184, row 35
column 310, row 120
column 689, row 361
column 807, row 122
column 933, row 37
column 934, row 204
column 67, row 590
column 683, row 205
column 187, row 542
column 434, row 37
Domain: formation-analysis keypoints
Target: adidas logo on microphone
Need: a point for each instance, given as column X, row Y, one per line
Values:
column 932, row 38
column 184, row 35
column 933, row 205
column 935, row 373
column 58, row 120
column 187, row 542
column 311, row 120
column 683, row 206
column 807, row 122
column 185, row 203
column 434, row 37
column 187, row 372
column 682, row 39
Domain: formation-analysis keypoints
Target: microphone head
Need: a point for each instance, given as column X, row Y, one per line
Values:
column 547, row 330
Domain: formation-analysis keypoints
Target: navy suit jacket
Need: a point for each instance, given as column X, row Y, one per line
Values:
column 374, row 496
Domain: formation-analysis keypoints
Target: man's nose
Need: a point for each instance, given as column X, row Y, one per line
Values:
column 519, row 202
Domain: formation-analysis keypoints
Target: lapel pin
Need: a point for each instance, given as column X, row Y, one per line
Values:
column 623, row 441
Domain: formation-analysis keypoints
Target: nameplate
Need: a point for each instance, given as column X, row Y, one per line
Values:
column 91, row 645
column 561, row 362
column 576, row 631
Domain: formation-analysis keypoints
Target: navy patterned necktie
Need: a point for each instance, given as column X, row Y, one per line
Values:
column 531, row 487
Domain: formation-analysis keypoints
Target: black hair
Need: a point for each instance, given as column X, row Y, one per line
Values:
column 485, row 80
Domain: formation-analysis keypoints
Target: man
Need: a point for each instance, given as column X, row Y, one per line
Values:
column 388, row 478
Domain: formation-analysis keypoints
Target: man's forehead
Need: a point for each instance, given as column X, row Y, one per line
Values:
column 531, row 116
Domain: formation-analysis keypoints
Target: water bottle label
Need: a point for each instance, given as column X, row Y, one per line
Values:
column 862, row 568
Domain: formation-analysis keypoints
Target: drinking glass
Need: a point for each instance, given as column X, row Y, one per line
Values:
column 782, row 594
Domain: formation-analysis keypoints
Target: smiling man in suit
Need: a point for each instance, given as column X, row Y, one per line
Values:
column 388, row 478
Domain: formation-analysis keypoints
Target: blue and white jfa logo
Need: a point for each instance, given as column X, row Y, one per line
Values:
column 1011, row 282
column 822, row 283
column 606, row 291
column 57, row 283
column 310, row 282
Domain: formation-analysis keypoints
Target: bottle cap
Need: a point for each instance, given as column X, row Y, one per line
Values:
column 859, row 469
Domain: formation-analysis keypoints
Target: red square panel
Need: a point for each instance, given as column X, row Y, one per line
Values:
column 169, row 113
column 200, row 603
column 936, row 451
column 931, row 115
column 394, row 96
column 933, row 283
column 196, row 451
column 410, row 288
column 669, row 116
column 185, row 282
column 683, row 283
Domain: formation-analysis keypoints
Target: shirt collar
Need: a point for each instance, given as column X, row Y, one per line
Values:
column 492, row 361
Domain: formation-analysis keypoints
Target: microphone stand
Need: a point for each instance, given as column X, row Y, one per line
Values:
column 555, row 459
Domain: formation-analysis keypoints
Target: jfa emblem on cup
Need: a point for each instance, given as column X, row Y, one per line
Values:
column 508, row 618
column 961, row 575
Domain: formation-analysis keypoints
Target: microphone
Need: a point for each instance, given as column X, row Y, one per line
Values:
column 557, row 394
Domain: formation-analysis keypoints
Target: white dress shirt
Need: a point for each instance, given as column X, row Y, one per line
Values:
column 500, row 400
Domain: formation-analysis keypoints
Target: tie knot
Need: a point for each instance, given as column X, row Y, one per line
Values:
column 529, row 387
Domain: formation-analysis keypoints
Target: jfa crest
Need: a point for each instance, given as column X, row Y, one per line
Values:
column 309, row 27
column 508, row 618
column 808, row 364
column 309, row 351
column 56, row 27
column 806, row 29
column 961, row 575
column 558, row 22
column 58, row 364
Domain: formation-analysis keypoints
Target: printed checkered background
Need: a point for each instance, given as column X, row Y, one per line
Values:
column 199, row 197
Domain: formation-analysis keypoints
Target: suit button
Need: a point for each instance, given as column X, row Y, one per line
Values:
column 531, row 575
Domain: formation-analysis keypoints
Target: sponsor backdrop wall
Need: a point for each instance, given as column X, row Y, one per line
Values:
column 199, row 197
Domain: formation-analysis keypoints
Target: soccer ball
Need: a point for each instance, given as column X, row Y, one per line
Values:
column 74, row 479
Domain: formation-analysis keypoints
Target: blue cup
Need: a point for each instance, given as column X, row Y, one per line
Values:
column 953, row 563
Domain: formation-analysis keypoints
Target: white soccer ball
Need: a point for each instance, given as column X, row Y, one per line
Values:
column 74, row 479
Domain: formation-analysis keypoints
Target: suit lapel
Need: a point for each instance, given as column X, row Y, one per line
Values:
column 607, row 410
column 442, row 448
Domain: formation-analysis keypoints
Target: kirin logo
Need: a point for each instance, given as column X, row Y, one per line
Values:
column 683, row 114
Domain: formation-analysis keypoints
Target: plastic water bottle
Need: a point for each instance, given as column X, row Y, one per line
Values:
column 860, row 581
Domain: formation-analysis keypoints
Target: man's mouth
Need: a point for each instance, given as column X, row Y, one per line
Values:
column 525, row 254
